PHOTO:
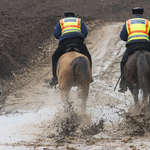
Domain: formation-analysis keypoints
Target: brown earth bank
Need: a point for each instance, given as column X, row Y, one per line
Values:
column 26, row 25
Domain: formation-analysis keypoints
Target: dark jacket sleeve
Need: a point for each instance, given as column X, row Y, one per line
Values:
column 124, row 34
column 149, row 31
column 84, row 29
column 57, row 31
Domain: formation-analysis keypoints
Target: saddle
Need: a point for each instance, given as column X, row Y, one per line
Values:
column 72, row 47
column 140, row 48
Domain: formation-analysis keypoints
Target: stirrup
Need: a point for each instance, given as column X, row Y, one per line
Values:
column 122, row 90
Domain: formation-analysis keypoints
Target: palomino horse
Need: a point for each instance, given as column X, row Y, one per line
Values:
column 74, row 70
column 137, row 74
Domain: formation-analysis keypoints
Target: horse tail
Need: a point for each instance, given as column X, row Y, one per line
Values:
column 143, row 71
column 80, row 65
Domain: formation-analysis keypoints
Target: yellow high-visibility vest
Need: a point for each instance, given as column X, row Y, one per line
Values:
column 138, row 28
column 70, row 24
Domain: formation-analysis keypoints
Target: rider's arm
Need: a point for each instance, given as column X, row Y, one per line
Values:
column 149, row 29
column 57, row 31
column 84, row 29
column 124, row 34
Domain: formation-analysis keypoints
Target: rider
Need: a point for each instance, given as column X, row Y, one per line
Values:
column 136, row 32
column 69, row 31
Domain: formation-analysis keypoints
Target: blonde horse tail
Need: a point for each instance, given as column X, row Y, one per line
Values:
column 80, row 65
column 143, row 71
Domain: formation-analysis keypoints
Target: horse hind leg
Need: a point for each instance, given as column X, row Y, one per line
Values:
column 64, row 92
column 135, row 92
column 145, row 97
column 84, row 96
column 149, row 98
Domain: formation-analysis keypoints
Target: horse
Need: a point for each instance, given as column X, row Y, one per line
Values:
column 137, row 74
column 74, row 69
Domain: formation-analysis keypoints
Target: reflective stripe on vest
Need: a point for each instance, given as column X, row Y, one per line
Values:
column 137, row 29
column 70, row 24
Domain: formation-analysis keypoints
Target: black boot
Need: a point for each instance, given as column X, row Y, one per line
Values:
column 53, row 81
column 92, row 80
column 123, row 86
column 0, row 92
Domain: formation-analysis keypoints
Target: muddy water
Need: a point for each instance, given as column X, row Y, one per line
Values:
column 29, row 114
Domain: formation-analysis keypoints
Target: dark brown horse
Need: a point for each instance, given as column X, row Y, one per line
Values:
column 74, row 70
column 137, row 74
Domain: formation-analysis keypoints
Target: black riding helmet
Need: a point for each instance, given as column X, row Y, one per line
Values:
column 69, row 13
column 137, row 10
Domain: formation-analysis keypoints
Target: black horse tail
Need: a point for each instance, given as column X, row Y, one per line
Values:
column 80, row 67
column 143, row 71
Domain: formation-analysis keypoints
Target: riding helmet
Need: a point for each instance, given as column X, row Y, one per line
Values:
column 137, row 10
column 69, row 13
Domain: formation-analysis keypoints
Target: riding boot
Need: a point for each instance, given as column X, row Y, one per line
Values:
column 123, row 86
column 0, row 92
column 54, row 80
column 92, row 80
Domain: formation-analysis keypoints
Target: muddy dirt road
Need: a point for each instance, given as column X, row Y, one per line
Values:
column 28, row 115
